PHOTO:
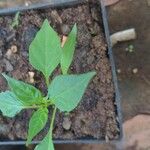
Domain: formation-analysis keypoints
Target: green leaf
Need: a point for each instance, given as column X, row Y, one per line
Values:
column 15, row 22
column 9, row 104
column 68, row 50
column 46, row 144
column 45, row 50
column 37, row 123
column 26, row 93
column 66, row 91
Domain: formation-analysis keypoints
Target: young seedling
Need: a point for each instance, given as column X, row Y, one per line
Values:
column 15, row 22
column 64, row 92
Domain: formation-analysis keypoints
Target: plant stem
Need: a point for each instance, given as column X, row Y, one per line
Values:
column 31, row 107
column 47, row 81
column 54, row 112
column 52, row 121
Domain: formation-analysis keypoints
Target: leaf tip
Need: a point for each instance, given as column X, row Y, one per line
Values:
column 46, row 21
column 74, row 29
column 75, row 25
column 4, row 75
column 93, row 73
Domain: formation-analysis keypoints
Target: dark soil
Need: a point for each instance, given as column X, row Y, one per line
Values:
column 95, row 117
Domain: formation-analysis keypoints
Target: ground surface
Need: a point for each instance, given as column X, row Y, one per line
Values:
column 134, row 88
column 95, row 116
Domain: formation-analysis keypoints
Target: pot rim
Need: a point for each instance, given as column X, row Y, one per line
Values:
column 114, row 75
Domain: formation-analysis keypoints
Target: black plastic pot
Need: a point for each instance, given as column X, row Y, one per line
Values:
column 111, row 58
column 51, row 3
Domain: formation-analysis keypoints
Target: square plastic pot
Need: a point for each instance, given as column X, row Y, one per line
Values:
column 113, row 69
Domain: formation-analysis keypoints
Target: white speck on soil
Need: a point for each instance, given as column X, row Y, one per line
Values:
column 66, row 124
column 135, row 70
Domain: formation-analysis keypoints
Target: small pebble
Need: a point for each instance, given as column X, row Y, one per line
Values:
column 8, row 53
column 31, row 74
column 66, row 124
column 28, row 35
column 31, row 77
column 1, row 43
column 106, row 138
column 25, row 54
column 1, row 54
column 56, row 17
column 65, row 29
column 10, row 36
column 64, row 39
column 1, row 20
column 94, row 29
column 9, row 66
column 90, row 59
column 94, row 14
column 32, row 80
column 4, row 130
column 135, row 70
column 14, row 48
column 118, row 71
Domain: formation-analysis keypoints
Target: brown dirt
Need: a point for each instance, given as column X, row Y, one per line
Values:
column 95, row 117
